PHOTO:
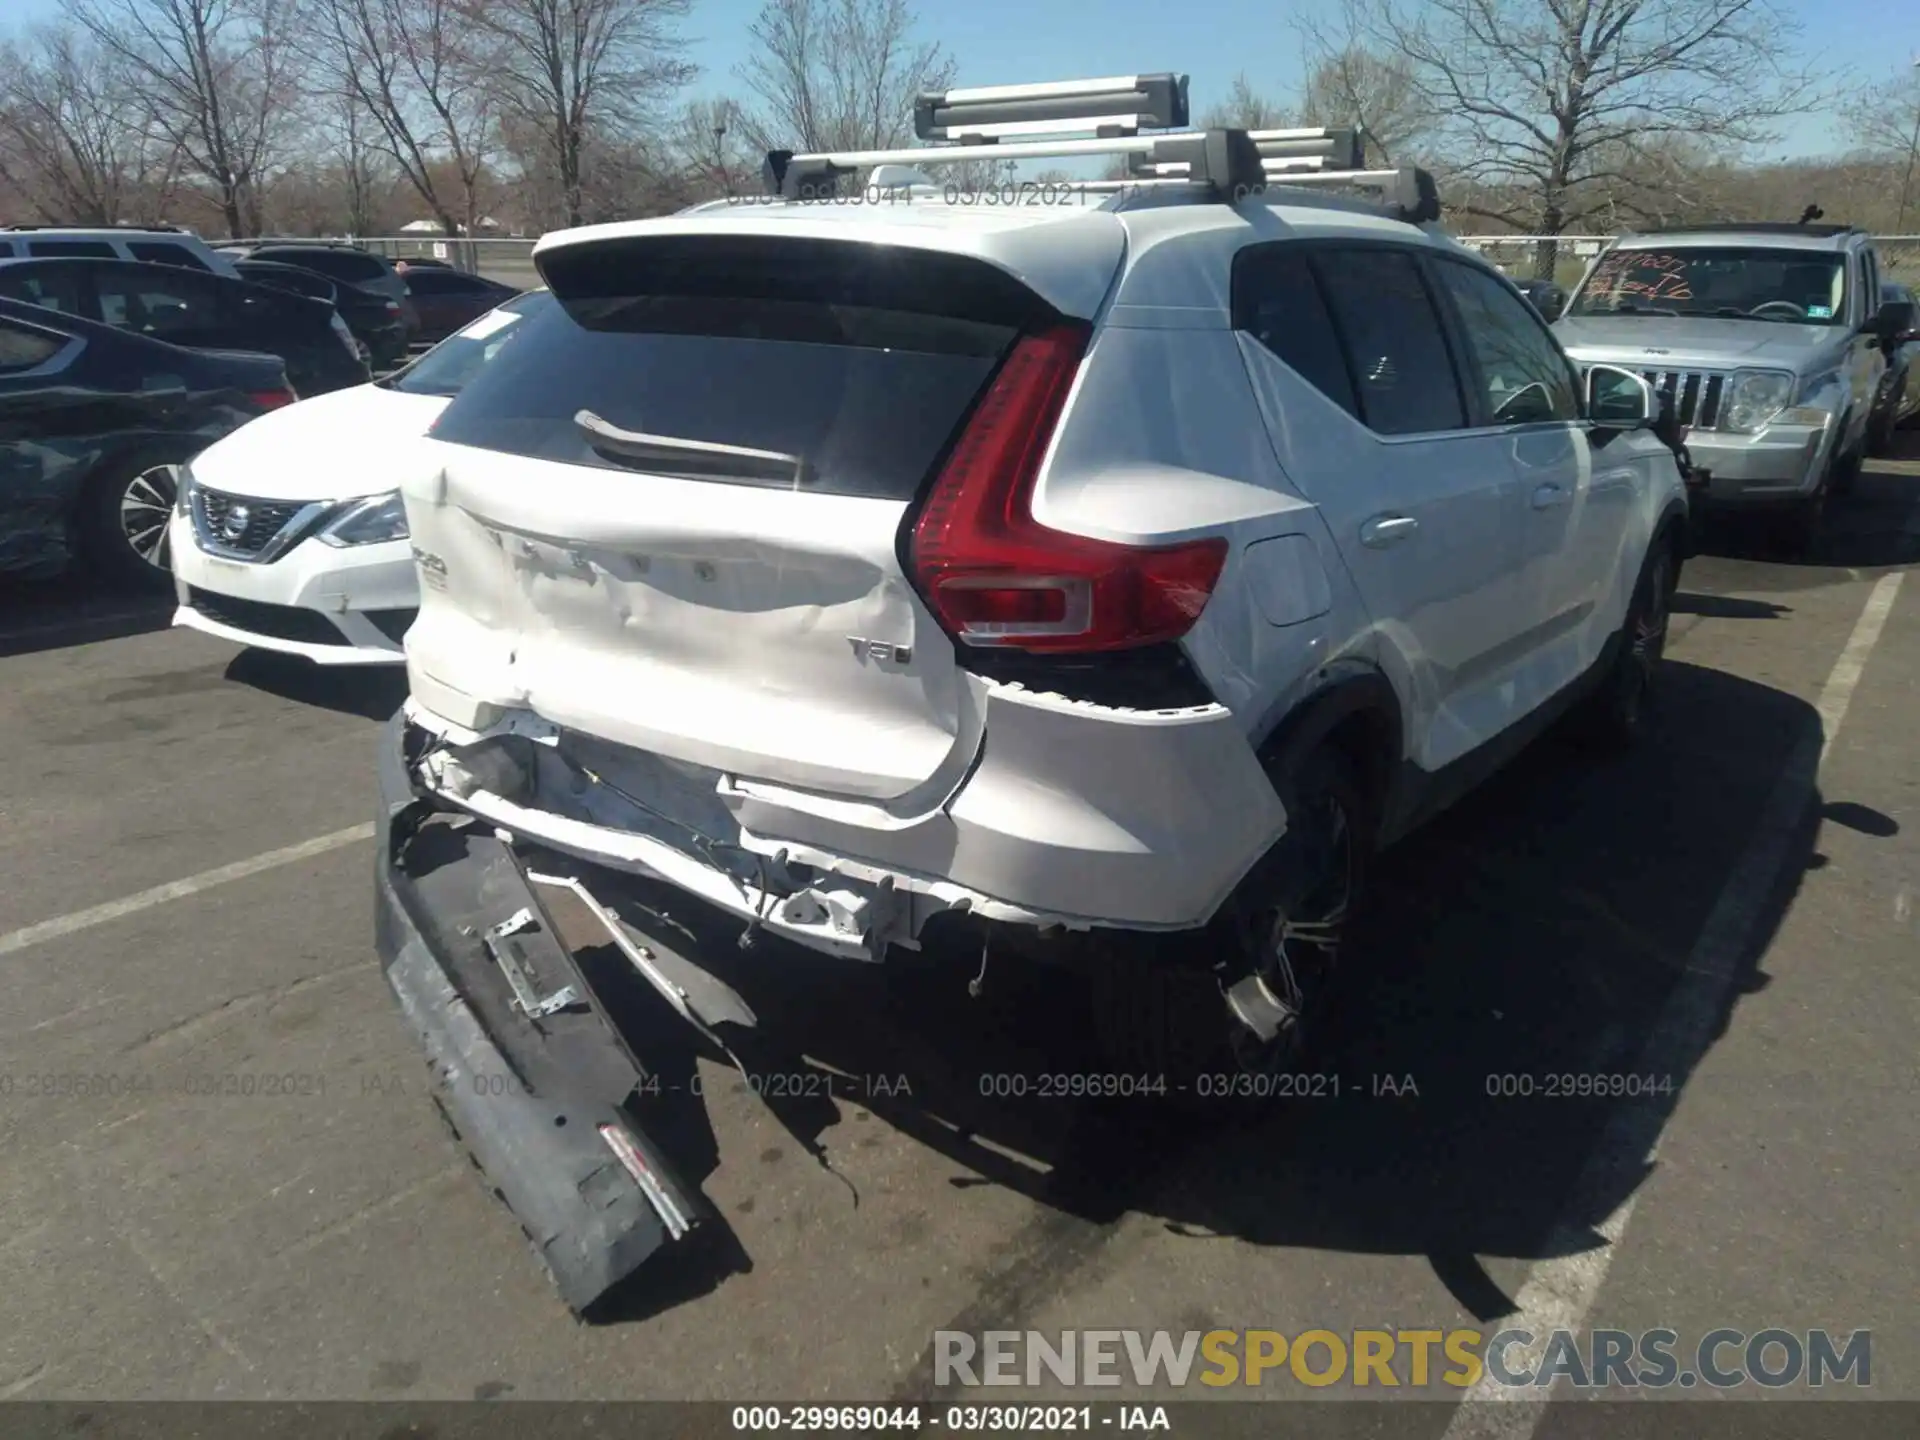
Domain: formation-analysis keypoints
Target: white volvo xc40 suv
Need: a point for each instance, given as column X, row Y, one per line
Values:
column 1104, row 569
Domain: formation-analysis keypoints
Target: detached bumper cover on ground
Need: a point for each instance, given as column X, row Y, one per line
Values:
column 540, row 1103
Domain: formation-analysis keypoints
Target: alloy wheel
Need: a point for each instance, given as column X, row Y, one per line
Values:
column 146, row 510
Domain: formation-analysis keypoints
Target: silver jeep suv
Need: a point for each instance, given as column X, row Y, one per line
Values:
column 1769, row 341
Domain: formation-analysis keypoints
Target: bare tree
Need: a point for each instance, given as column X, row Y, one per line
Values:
column 843, row 75
column 585, row 76
column 1246, row 109
column 73, row 134
column 714, row 149
column 1886, row 121
column 415, row 79
column 1377, row 95
column 1546, row 105
column 218, row 80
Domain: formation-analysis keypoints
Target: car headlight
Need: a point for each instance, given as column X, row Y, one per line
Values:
column 1754, row 397
column 183, row 490
column 368, row 522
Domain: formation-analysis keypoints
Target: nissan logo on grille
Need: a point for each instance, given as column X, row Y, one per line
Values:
column 235, row 524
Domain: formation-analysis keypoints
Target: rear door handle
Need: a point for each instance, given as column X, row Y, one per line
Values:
column 1548, row 496
column 1384, row 530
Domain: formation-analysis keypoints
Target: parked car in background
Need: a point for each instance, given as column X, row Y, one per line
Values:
column 1769, row 341
column 162, row 245
column 197, row 311
column 374, row 319
column 94, row 425
column 1899, row 401
column 346, row 264
column 449, row 299
column 290, row 535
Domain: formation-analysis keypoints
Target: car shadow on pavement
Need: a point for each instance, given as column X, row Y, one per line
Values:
column 1867, row 529
column 1530, row 935
column 372, row 692
column 74, row 610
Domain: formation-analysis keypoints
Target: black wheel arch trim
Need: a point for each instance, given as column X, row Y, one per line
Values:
column 1341, row 693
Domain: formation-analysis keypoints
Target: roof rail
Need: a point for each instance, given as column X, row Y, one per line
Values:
column 155, row 229
column 1091, row 118
column 1755, row 227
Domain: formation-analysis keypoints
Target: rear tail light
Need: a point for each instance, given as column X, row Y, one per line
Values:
column 992, row 575
column 394, row 306
column 272, row 399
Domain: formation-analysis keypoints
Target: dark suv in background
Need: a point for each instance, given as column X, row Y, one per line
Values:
column 344, row 265
column 198, row 311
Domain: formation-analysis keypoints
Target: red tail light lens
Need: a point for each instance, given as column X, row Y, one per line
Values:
column 273, row 399
column 993, row 575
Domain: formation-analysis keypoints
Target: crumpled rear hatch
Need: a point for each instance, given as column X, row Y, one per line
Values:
column 672, row 516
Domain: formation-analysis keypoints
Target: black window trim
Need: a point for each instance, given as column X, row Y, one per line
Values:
column 1339, row 245
column 1485, row 422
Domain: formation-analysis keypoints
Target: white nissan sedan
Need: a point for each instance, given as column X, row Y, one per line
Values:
column 289, row 534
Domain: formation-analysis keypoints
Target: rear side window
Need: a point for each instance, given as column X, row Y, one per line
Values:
column 160, row 252
column 55, row 287
column 23, row 349
column 442, row 282
column 95, row 249
column 1277, row 301
column 858, row 361
column 353, row 266
column 1395, row 347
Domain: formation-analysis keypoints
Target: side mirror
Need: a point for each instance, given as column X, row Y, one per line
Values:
column 1896, row 321
column 1619, row 398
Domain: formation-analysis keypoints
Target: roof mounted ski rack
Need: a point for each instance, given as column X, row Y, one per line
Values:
column 1093, row 118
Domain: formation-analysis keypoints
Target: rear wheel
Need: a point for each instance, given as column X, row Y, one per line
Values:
column 1257, row 988
column 124, row 518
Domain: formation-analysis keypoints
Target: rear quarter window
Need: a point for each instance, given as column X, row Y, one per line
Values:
column 860, row 365
column 22, row 349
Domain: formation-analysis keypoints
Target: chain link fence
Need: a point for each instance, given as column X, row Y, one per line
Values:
column 1562, row 258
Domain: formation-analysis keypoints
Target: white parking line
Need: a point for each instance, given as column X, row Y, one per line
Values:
column 178, row 889
column 1561, row 1289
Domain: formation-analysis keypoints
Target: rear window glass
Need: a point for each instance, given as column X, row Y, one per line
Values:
column 860, row 365
column 451, row 365
column 160, row 252
column 349, row 265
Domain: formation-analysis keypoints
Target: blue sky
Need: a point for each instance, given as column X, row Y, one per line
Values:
column 1009, row 41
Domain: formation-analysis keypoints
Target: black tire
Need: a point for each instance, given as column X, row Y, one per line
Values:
column 1880, row 433
column 122, row 502
column 1619, row 713
column 1846, row 469
column 1163, row 1010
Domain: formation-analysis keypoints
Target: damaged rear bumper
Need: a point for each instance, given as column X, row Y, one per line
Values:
column 541, row 1100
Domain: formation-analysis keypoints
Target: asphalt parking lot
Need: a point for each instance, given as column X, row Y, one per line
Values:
column 224, row 1178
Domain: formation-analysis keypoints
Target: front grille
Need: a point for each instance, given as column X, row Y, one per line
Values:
column 256, row 617
column 239, row 524
column 1694, row 395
